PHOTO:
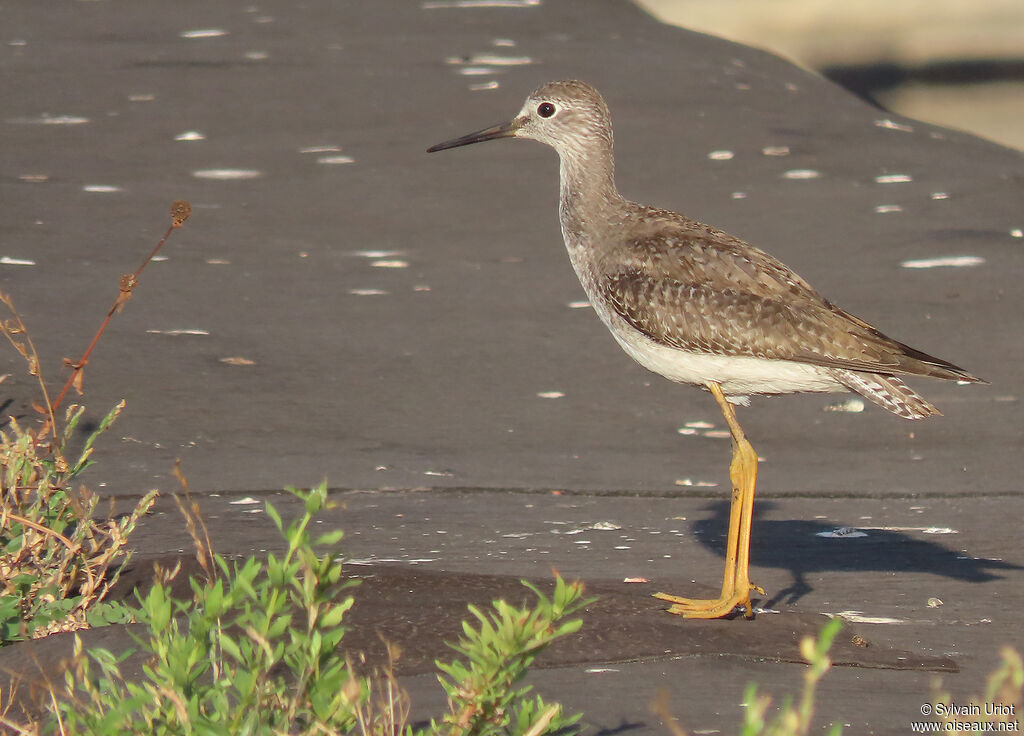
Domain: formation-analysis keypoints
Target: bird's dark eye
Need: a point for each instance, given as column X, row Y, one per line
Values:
column 545, row 109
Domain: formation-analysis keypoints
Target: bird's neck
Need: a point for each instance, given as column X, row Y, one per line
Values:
column 588, row 195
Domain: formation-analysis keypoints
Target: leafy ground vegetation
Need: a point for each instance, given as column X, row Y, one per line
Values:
column 255, row 651
column 58, row 561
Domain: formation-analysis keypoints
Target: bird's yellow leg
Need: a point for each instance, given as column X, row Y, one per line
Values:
column 743, row 472
column 736, row 585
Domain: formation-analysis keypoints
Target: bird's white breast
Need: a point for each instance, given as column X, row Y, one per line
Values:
column 737, row 375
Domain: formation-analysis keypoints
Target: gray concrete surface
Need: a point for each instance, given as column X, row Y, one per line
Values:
column 436, row 382
column 437, row 379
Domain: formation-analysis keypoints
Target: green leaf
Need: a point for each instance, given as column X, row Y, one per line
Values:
column 231, row 647
column 106, row 613
column 334, row 616
column 274, row 516
column 329, row 539
column 83, row 460
column 71, row 419
column 156, row 608
column 213, row 600
column 827, row 636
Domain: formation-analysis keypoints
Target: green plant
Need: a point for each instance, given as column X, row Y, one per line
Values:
column 255, row 652
column 483, row 697
column 211, row 658
column 791, row 720
column 57, row 560
column 794, row 720
column 999, row 709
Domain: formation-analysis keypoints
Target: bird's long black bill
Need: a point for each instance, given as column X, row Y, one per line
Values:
column 505, row 130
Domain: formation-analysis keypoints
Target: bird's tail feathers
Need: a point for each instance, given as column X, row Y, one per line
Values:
column 929, row 365
column 888, row 392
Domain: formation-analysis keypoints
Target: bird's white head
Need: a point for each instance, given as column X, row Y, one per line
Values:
column 570, row 116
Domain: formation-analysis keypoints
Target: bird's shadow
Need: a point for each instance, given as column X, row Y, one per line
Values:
column 799, row 547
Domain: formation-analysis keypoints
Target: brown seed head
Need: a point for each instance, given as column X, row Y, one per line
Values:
column 180, row 211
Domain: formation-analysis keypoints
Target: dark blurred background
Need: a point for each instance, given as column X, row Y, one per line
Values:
column 956, row 63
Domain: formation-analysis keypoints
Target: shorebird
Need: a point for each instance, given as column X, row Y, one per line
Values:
column 699, row 306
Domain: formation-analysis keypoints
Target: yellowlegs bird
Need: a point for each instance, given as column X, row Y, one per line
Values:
column 700, row 306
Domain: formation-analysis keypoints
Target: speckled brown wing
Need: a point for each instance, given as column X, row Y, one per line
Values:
column 689, row 252
column 700, row 318
column 701, row 290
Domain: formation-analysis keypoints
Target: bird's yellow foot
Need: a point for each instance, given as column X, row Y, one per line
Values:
column 704, row 608
column 712, row 608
